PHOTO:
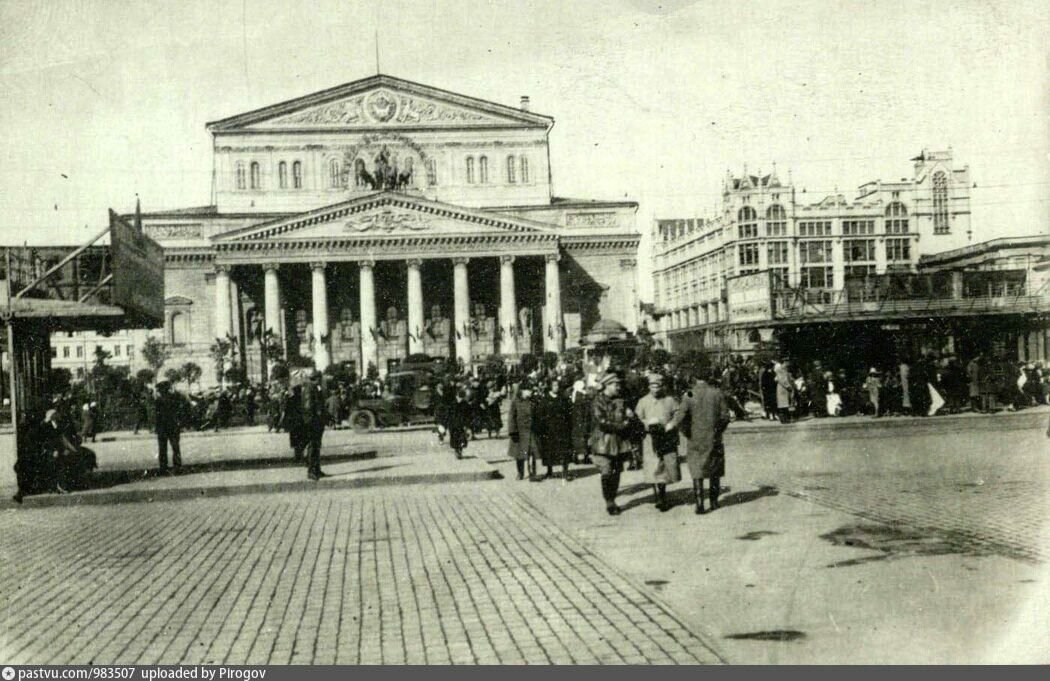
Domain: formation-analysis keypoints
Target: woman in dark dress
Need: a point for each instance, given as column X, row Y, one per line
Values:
column 581, row 423
column 460, row 415
column 553, row 420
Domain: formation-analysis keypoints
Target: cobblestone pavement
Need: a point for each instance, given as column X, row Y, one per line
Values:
column 984, row 490
column 455, row 574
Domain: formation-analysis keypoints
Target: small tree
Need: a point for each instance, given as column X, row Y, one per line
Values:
column 173, row 376
column 372, row 372
column 155, row 353
column 221, row 351
column 145, row 376
column 191, row 373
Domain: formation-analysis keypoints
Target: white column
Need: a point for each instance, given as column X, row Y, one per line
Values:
column 461, row 318
column 369, row 350
column 223, row 324
column 552, row 331
column 508, row 310
column 415, row 307
column 320, row 315
column 235, row 309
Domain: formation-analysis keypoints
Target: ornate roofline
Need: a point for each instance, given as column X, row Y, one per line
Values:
column 230, row 123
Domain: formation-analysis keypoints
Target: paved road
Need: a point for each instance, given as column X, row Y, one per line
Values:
column 417, row 575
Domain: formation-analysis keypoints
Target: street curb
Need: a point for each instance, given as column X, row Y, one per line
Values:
column 834, row 423
column 183, row 493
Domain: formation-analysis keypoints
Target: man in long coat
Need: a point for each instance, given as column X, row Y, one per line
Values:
column 609, row 445
column 785, row 391
column 523, row 446
column 169, row 421
column 706, row 414
column 313, row 425
column 660, row 447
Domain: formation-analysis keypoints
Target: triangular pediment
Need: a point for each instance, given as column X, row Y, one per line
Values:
column 386, row 215
column 380, row 102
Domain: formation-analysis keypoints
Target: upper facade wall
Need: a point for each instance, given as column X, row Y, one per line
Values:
column 324, row 148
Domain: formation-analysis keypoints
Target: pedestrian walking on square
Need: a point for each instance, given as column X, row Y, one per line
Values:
column 581, row 423
column 973, row 376
column 89, row 422
column 313, row 422
column 660, row 447
column 767, row 385
column 292, row 420
column 704, row 416
column 142, row 411
column 608, row 440
column 460, row 417
column 553, row 421
column 334, row 408
column 785, row 391
column 873, row 384
column 170, row 415
column 523, row 447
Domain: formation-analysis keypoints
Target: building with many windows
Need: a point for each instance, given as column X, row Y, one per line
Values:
column 810, row 248
column 382, row 219
column 75, row 351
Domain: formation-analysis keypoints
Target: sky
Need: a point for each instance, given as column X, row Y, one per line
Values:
column 102, row 101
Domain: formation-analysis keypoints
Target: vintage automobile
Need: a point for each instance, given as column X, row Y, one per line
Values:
column 407, row 399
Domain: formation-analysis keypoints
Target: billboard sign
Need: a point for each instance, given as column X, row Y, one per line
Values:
column 749, row 297
column 138, row 272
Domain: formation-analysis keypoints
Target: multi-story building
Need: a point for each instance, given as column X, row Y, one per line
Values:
column 768, row 224
column 76, row 350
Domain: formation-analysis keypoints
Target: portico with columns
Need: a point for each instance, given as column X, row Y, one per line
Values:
column 382, row 219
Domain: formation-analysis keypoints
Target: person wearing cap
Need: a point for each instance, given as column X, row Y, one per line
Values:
column 707, row 413
column 873, row 384
column 660, row 447
column 313, row 415
column 608, row 444
column 520, row 428
column 168, row 425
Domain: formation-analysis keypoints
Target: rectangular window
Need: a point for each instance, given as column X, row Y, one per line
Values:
column 858, row 250
column 813, row 252
column 859, row 271
column 776, row 228
column 116, row 351
column 897, row 225
column 780, row 277
column 80, row 352
column 816, row 277
column 749, row 230
column 814, row 228
column 858, row 227
column 65, row 352
column 54, row 352
column 749, row 255
column 777, row 253
column 898, row 250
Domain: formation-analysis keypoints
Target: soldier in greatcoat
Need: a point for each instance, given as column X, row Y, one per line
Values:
column 707, row 415
column 313, row 416
column 609, row 444
column 523, row 446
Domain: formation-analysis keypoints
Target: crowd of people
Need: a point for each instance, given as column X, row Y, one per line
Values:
column 559, row 415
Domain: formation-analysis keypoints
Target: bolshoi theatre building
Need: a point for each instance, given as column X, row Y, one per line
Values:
column 381, row 219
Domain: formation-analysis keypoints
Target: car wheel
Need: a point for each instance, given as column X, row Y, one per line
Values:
column 363, row 421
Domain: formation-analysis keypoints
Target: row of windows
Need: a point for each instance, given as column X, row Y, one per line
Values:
column 249, row 176
column 517, row 170
column 78, row 351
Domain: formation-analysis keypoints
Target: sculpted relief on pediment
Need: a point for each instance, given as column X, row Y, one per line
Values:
column 380, row 107
column 387, row 221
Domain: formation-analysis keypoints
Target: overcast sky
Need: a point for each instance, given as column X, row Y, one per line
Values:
column 653, row 101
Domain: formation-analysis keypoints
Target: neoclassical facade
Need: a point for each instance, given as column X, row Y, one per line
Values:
column 384, row 218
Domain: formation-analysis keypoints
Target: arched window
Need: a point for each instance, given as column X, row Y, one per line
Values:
column 747, row 222
column 512, row 168
column 240, row 176
column 282, row 175
column 359, row 174
column 776, row 220
column 524, row 170
column 297, row 175
column 432, row 172
column 470, row 170
column 483, row 169
column 256, row 175
column 896, row 218
column 409, row 167
column 940, row 203
column 334, row 174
